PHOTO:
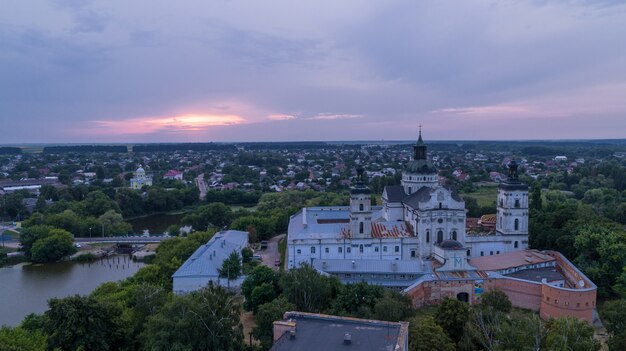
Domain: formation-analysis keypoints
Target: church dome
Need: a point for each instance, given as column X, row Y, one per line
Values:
column 450, row 245
column 420, row 167
column 140, row 170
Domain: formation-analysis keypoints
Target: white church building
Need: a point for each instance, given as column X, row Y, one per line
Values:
column 415, row 219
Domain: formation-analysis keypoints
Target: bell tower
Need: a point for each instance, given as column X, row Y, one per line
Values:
column 419, row 172
column 512, row 206
column 360, row 208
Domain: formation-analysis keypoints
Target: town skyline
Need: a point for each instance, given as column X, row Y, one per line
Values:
column 109, row 71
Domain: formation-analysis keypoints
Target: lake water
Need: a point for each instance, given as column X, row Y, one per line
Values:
column 156, row 223
column 26, row 289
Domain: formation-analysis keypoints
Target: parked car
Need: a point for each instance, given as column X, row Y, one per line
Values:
column 257, row 257
column 263, row 244
column 277, row 262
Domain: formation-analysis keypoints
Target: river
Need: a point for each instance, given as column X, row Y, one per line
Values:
column 26, row 288
column 155, row 223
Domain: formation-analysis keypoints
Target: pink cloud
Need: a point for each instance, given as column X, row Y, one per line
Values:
column 332, row 116
column 280, row 117
column 182, row 123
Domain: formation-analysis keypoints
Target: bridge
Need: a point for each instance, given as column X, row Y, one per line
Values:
column 123, row 240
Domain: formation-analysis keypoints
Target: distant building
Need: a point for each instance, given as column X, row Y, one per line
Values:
column 560, row 158
column 140, row 179
column 202, row 268
column 31, row 185
column 173, row 174
column 311, row 332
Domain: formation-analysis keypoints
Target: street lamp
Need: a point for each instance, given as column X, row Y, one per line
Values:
column 89, row 233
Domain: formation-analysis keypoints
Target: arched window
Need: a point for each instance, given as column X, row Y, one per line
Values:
column 439, row 236
column 516, row 224
column 501, row 203
column 361, row 248
column 312, row 249
column 516, row 244
column 410, row 190
column 454, row 235
column 361, row 207
column 427, row 236
column 361, row 227
column 516, row 203
column 440, row 205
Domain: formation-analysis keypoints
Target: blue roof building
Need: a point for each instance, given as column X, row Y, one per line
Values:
column 202, row 268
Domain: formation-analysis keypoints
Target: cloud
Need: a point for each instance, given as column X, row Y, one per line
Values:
column 280, row 117
column 333, row 116
column 183, row 123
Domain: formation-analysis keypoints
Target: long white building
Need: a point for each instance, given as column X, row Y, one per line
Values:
column 414, row 219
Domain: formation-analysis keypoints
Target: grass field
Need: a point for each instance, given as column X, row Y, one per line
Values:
column 485, row 196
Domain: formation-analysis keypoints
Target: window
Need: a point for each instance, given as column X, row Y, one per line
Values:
column 361, row 227
column 312, row 249
column 348, row 249
column 491, row 253
column 361, row 248
column 410, row 190
column 376, row 249
column 501, row 203
column 482, row 253
column 327, row 250
column 397, row 249
column 413, row 253
column 361, row 207
column 440, row 205
column 454, row 235
column 439, row 236
column 516, row 203
column 427, row 236
column 516, row 244
column 440, row 220
column 497, row 252
column 384, row 248
column 340, row 249
column 468, row 253
column 299, row 251
column 516, row 224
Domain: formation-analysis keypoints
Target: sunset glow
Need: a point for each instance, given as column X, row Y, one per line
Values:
column 182, row 123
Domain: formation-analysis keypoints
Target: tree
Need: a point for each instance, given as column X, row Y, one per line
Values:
column 535, row 197
column 19, row 339
column 30, row 235
column 452, row 315
column 601, row 254
column 307, row 289
column 497, row 300
column 58, row 244
column 357, row 299
column 261, row 294
column 40, row 205
column 114, row 224
column 392, row 307
column 129, row 201
column 568, row 333
column 260, row 275
column 97, row 203
column 206, row 319
column 613, row 313
column 231, row 267
column 81, row 323
column 265, row 317
column 216, row 214
column 426, row 335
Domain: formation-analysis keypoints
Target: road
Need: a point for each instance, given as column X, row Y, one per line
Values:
column 271, row 254
column 201, row 184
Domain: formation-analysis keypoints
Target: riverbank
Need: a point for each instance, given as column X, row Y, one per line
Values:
column 26, row 287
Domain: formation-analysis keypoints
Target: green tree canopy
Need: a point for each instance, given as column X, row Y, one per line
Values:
column 207, row 319
column 307, row 289
column 18, row 339
column 426, row 335
column 265, row 317
column 57, row 245
column 231, row 267
column 452, row 315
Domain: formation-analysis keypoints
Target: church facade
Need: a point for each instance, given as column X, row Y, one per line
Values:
column 414, row 218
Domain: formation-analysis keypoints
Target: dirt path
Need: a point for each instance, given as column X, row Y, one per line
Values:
column 271, row 254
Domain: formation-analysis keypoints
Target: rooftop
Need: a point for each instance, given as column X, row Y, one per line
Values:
column 510, row 260
column 537, row 275
column 333, row 222
column 371, row 266
column 325, row 332
column 208, row 259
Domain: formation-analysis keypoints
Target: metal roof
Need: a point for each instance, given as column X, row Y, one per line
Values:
column 208, row 259
column 415, row 266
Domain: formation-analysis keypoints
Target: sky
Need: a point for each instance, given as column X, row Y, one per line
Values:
column 97, row 71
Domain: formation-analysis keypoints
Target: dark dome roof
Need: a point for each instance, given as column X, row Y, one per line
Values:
column 450, row 244
column 421, row 167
